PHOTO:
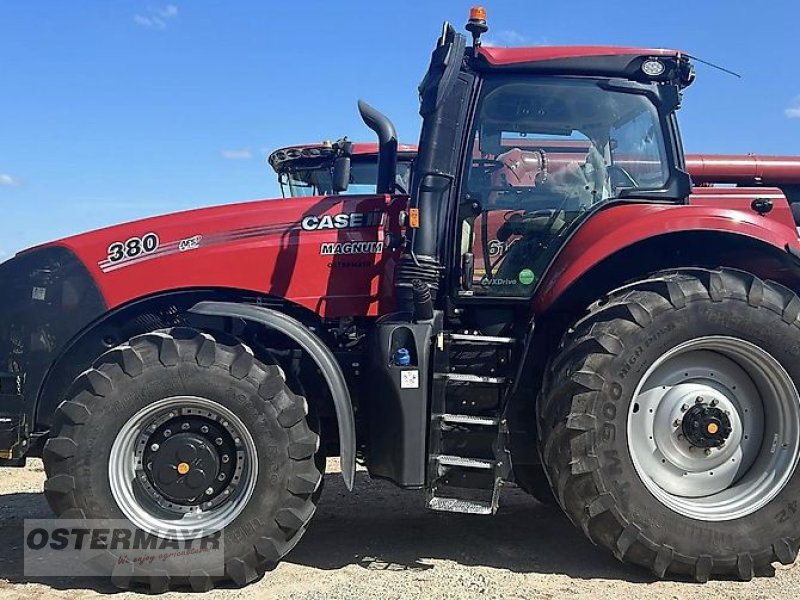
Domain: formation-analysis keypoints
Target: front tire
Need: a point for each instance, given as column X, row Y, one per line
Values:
column 174, row 431
column 670, row 421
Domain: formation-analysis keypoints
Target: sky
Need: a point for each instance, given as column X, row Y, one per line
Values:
column 112, row 111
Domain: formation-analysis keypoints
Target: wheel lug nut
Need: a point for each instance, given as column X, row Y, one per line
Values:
column 221, row 477
column 225, row 458
column 714, row 402
column 685, row 407
column 676, row 423
column 698, row 400
column 708, row 451
column 218, row 441
column 204, row 429
column 185, row 426
column 167, row 432
column 681, row 436
column 155, row 447
column 209, row 491
column 172, row 415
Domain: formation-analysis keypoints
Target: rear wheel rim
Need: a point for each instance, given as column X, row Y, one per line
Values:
column 212, row 483
column 714, row 428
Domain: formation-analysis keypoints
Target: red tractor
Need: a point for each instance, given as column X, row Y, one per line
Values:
column 631, row 352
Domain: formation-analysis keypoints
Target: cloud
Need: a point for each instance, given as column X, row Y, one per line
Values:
column 505, row 37
column 793, row 112
column 511, row 37
column 7, row 180
column 157, row 17
column 241, row 154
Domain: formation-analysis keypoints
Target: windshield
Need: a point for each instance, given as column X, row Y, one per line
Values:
column 544, row 152
column 316, row 179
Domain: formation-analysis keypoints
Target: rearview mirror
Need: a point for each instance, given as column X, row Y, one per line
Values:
column 341, row 174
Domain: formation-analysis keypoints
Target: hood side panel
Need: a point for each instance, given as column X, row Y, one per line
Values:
column 324, row 253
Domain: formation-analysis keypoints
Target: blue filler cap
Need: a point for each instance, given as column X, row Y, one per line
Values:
column 402, row 357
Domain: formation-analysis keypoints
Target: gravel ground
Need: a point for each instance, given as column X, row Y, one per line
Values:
column 379, row 542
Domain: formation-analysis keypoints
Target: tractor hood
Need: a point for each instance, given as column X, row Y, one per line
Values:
column 324, row 253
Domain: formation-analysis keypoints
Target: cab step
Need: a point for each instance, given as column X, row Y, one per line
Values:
column 451, row 419
column 458, row 505
column 471, row 378
column 464, row 462
column 468, row 338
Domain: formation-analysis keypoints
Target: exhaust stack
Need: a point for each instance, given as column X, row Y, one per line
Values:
column 387, row 146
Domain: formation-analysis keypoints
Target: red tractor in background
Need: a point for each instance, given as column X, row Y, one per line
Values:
column 632, row 354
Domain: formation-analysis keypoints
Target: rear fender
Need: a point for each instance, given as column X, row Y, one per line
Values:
column 621, row 226
column 320, row 354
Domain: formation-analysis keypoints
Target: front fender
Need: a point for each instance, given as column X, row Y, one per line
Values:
column 619, row 226
column 321, row 355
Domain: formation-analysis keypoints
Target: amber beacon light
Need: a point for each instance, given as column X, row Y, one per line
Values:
column 477, row 24
column 477, row 13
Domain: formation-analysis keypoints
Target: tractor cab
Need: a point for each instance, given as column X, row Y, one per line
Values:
column 522, row 145
column 333, row 168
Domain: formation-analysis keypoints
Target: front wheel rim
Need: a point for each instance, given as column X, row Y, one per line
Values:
column 714, row 428
column 160, row 504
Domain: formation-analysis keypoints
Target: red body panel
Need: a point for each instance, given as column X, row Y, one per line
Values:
column 617, row 227
column 510, row 56
column 257, row 246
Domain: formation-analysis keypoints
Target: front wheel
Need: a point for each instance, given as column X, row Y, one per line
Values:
column 671, row 424
column 186, row 438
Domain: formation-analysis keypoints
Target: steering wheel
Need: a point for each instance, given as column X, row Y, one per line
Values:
column 538, row 221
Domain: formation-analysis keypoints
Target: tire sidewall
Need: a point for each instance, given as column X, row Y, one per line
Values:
column 215, row 383
column 621, row 376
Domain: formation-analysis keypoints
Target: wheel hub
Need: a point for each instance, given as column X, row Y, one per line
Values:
column 706, row 426
column 712, row 430
column 184, row 467
column 189, row 460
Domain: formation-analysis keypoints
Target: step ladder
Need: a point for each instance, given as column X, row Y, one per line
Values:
column 468, row 456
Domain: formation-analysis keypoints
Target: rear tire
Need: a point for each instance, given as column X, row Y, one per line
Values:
column 532, row 480
column 599, row 419
column 243, row 418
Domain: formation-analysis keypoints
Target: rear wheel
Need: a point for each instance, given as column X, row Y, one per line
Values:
column 671, row 424
column 178, row 434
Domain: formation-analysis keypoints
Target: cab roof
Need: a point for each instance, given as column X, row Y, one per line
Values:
column 602, row 61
